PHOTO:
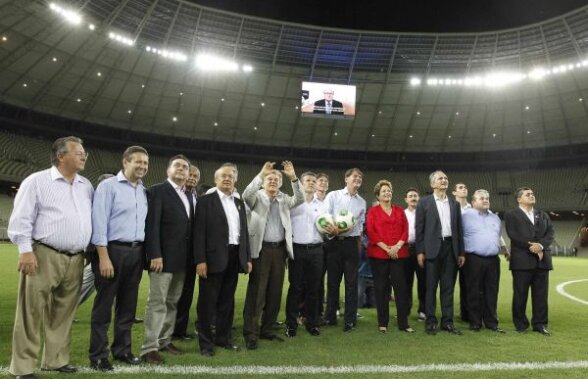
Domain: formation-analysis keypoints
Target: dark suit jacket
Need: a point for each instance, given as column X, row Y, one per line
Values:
column 211, row 234
column 168, row 229
column 521, row 231
column 428, row 228
column 334, row 105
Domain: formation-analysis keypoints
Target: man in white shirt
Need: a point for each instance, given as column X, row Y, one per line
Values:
column 306, row 268
column 168, row 242
column 51, row 225
column 411, row 265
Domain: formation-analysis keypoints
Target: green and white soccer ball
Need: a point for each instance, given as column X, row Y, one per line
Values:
column 323, row 221
column 344, row 219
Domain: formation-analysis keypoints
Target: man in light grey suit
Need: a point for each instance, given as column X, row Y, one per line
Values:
column 270, row 232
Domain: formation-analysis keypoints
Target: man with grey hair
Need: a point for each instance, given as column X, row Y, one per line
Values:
column 51, row 225
column 481, row 235
column 221, row 251
column 439, row 242
column 531, row 235
column 271, row 244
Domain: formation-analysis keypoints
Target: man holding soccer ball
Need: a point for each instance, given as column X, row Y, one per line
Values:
column 348, row 209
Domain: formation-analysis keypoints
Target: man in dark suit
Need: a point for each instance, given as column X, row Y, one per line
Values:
column 531, row 234
column 168, row 241
column 221, row 251
column 185, row 301
column 439, row 243
column 328, row 105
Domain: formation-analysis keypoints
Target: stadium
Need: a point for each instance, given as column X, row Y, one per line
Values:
column 495, row 107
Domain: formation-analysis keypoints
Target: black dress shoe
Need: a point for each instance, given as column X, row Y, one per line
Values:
column 102, row 364
column 349, row 327
column 521, row 331
column 497, row 330
column 67, row 369
column 229, row 346
column 542, row 330
column 27, row 376
column 314, row 331
column 184, row 337
column 207, row 352
column 431, row 330
column 290, row 332
column 475, row 328
column 452, row 329
column 251, row 345
column 128, row 358
column 271, row 337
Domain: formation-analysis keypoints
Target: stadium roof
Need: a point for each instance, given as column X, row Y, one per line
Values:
column 101, row 71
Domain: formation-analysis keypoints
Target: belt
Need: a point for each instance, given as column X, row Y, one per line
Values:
column 127, row 244
column 233, row 247
column 343, row 238
column 274, row 245
column 308, row 246
column 481, row 256
column 64, row 252
column 448, row 238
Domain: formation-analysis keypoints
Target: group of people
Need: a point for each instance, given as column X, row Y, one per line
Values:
column 122, row 228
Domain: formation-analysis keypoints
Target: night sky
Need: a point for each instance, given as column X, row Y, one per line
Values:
column 405, row 16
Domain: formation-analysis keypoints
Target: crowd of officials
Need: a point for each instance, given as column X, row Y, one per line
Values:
column 122, row 228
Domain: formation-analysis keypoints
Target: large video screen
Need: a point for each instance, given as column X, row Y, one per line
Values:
column 327, row 100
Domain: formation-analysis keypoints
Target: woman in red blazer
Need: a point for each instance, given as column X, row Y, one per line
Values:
column 387, row 230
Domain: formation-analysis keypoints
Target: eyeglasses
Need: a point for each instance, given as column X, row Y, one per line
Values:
column 84, row 154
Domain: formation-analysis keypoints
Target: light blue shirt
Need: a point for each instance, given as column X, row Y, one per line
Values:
column 481, row 232
column 118, row 211
column 342, row 199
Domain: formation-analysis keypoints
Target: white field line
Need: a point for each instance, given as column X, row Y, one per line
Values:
column 321, row 370
column 561, row 290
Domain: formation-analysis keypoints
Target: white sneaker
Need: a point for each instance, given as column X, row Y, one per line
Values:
column 422, row 316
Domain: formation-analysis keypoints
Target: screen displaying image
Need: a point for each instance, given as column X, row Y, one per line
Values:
column 327, row 100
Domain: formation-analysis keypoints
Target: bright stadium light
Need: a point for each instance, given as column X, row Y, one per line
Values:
column 247, row 68
column 68, row 15
column 207, row 62
column 415, row 82
column 122, row 39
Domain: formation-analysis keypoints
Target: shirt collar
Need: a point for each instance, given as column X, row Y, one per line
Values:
column 55, row 174
column 438, row 198
column 174, row 185
column 122, row 178
column 532, row 211
column 223, row 195
column 346, row 192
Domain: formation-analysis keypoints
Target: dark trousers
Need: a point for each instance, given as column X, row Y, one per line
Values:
column 123, row 289
column 304, row 274
column 482, row 276
column 264, row 292
column 538, row 281
column 322, row 298
column 185, row 302
column 390, row 272
column 463, row 296
column 342, row 261
column 216, row 301
column 412, row 268
column 441, row 272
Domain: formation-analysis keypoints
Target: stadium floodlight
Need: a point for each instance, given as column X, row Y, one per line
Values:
column 247, row 68
column 432, row 82
column 122, row 39
column 415, row 81
column 538, row 73
column 68, row 15
column 501, row 79
column 208, row 62
column 92, row 27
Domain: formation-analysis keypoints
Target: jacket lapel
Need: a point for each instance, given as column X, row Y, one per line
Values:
column 174, row 195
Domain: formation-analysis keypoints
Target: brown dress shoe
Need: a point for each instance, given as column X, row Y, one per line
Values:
column 170, row 348
column 152, row 358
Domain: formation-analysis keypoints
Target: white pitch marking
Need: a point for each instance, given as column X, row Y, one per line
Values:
column 320, row 370
column 560, row 289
